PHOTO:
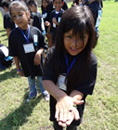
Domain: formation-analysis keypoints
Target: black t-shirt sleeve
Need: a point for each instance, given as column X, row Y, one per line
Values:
column 12, row 45
column 37, row 21
column 8, row 23
column 94, row 7
column 48, row 70
column 86, row 86
column 42, row 43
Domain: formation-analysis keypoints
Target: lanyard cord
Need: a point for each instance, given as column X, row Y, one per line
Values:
column 27, row 38
column 69, row 67
column 56, row 15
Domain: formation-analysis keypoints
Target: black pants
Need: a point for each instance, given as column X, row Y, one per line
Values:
column 58, row 127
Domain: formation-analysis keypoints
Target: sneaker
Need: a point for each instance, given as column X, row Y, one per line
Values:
column 29, row 99
column 47, row 97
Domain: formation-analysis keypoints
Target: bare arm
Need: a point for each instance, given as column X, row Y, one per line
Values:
column 64, row 104
column 53, row 90
column 8, row 30
column 77, row 96
column 19, row 71
column 37, row 58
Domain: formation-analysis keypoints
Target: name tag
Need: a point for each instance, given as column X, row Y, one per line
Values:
column 59, row 19
column 5, row 50
column 45, row 15
column 28, row 48
column 61, row 82
column 54, row 25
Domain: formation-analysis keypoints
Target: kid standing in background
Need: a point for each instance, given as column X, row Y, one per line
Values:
column 64, row 5
column 71, row 67
column 46, row 10
column 96, row 8
column 26, row 44
column 36, row 16
column 9, row 25
column 55, row 18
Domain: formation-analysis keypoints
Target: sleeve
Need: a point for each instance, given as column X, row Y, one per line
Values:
column 12, row 46
column 37, row 22
column 86, row 86
column 48, row 69
column 7, row 23
column 50, row 18
column 42, row 43
column 94, row 7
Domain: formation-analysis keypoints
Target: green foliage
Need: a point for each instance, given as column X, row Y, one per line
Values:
column 101, row 112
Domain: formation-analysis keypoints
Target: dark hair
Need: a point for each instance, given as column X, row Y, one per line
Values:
column 32, row 2
column 21, row 4
column 48, row 7
column 61, row 0
column 80, row 20
column 5, row 3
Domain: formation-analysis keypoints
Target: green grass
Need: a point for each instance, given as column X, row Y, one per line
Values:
column 101, row 112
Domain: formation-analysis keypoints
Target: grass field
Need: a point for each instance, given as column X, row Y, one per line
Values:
column 101, row 112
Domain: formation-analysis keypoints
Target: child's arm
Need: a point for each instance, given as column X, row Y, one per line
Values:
column 19, row 71
column 73, row 113
column 64, row 104
column 8, row 30
column 49, row 36
column 37, row 57
column 77, row 96
column 55, row 21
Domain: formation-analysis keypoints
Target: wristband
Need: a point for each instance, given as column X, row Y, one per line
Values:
column 18, row 70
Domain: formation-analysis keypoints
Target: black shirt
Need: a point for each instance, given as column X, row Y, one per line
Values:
column 8, row 22
column 85, row 86
column 94, row 7
column 58, row 18
column 46, row 14
column 16, row 43
column 38, row 21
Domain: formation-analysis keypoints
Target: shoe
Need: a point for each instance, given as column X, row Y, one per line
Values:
column 47, row 97
column 29, row 99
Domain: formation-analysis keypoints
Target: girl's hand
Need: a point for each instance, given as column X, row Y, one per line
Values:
column 37, row 57
column 54, row 20
column 73, row 115
column 65, row 110
column 47, row 23
column 63, row 107
column 20, row 73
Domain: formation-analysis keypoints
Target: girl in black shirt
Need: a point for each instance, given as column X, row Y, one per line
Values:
column 26, row 45
column 71, row 67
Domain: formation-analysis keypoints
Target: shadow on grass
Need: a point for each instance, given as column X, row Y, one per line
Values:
column 3, row 30
column 5, row 39
column 19, row 117
column 8, row 75
column 3, row 35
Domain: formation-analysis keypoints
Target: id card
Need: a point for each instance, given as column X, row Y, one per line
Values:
column 28, row 48
column 5, row 50
column 44, row 15
column 54, row 25
column 59, row 19
column 61, row 82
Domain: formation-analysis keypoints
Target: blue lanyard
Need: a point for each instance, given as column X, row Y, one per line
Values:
column 27, row 38
column 44, row 11
column 56, row 15
column 69, row 67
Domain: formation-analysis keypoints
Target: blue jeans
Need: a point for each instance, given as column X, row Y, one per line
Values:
column 33, row 88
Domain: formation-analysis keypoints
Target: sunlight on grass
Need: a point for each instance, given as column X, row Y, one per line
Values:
column 101, row 112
